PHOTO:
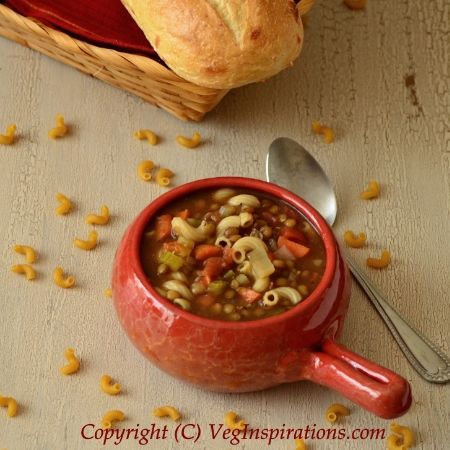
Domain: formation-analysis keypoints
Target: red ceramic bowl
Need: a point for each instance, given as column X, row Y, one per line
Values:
column 247, row 356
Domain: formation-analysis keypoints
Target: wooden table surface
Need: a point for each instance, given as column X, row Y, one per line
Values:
column 380, row 78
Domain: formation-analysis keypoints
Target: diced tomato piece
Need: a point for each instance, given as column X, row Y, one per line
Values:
column 228, row 257
column 183, row 214
column 249, row 295
column 298, row 250
column 163, row 227
column 176, row 248
column 293, row 235
column 206, row 300
column 205, row 251
column 212, row 268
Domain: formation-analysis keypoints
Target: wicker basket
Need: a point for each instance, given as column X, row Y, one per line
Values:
column 140, row 75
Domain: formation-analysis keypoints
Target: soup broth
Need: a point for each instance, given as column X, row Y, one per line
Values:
column 232, row 254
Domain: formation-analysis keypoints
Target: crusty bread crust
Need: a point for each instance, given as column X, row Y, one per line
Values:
column 221, row 43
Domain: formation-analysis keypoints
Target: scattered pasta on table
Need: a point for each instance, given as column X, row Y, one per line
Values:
column 107, row 386
column 112, row 416
column 372, row 191
column 300, row 444
column 326, row 132
column 232, row 423
column 24, row 269
column 65, row 282
column 402, row 439
column 73, row 363
column 101, row 219
column 29, row 252
column 380, row 263
column 10, row 135
column 88, row 244
column 187, row 142
column 144, row 170
column 149, row 135
column 10, row 404
column 65, row 205
column 167, row 411
column 60, row 130
column 163, row 177
column 354, row 241
column 335, row 411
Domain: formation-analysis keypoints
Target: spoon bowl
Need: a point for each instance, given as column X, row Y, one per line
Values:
column 288, row 164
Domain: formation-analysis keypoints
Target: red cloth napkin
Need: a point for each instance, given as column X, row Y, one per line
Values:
column 101, row 22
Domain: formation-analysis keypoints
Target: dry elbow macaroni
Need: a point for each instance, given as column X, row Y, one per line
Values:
column 73, row 364
column 10, row 404
column 354, row 241
column 167, row 411
column 144, row 170
column 65, row 206
column 326, row 132
column 232, row 423
column 112, row 416
column 89, row 244
column 60, row 130
column 355, row 4
column 336, row 410
column 380, row 263
column 163, row 177
column 372, row 191
column 8, row 138
column 108, row 386
column 190, row 142
column 151, row 137
column 29, row 252
column 25, row 269
column 300, row 444
column 61, row 280
column 102, row 219
column 403, row 438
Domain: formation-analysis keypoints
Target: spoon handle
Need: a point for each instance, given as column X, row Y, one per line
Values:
column 426, row 358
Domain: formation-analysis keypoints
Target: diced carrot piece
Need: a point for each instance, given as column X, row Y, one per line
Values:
column 205, row 251
column 163, row 227
column 183, row 214
column 176, row 248
column 298, row 250
column 293, row 235
column 249, row 295
column 206, row 300
column 212, row 268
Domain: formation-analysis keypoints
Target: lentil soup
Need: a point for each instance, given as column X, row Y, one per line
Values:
column 232, row 254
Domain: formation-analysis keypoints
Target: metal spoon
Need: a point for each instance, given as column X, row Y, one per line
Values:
column 289, row 165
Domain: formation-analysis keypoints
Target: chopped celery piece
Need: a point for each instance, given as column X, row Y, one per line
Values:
column 229, row 275
column 175, row 262
column 217, row 287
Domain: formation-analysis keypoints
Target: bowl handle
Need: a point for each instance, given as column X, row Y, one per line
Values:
column 375, row 388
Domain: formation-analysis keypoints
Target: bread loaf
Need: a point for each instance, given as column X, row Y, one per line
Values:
column 221, row 43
